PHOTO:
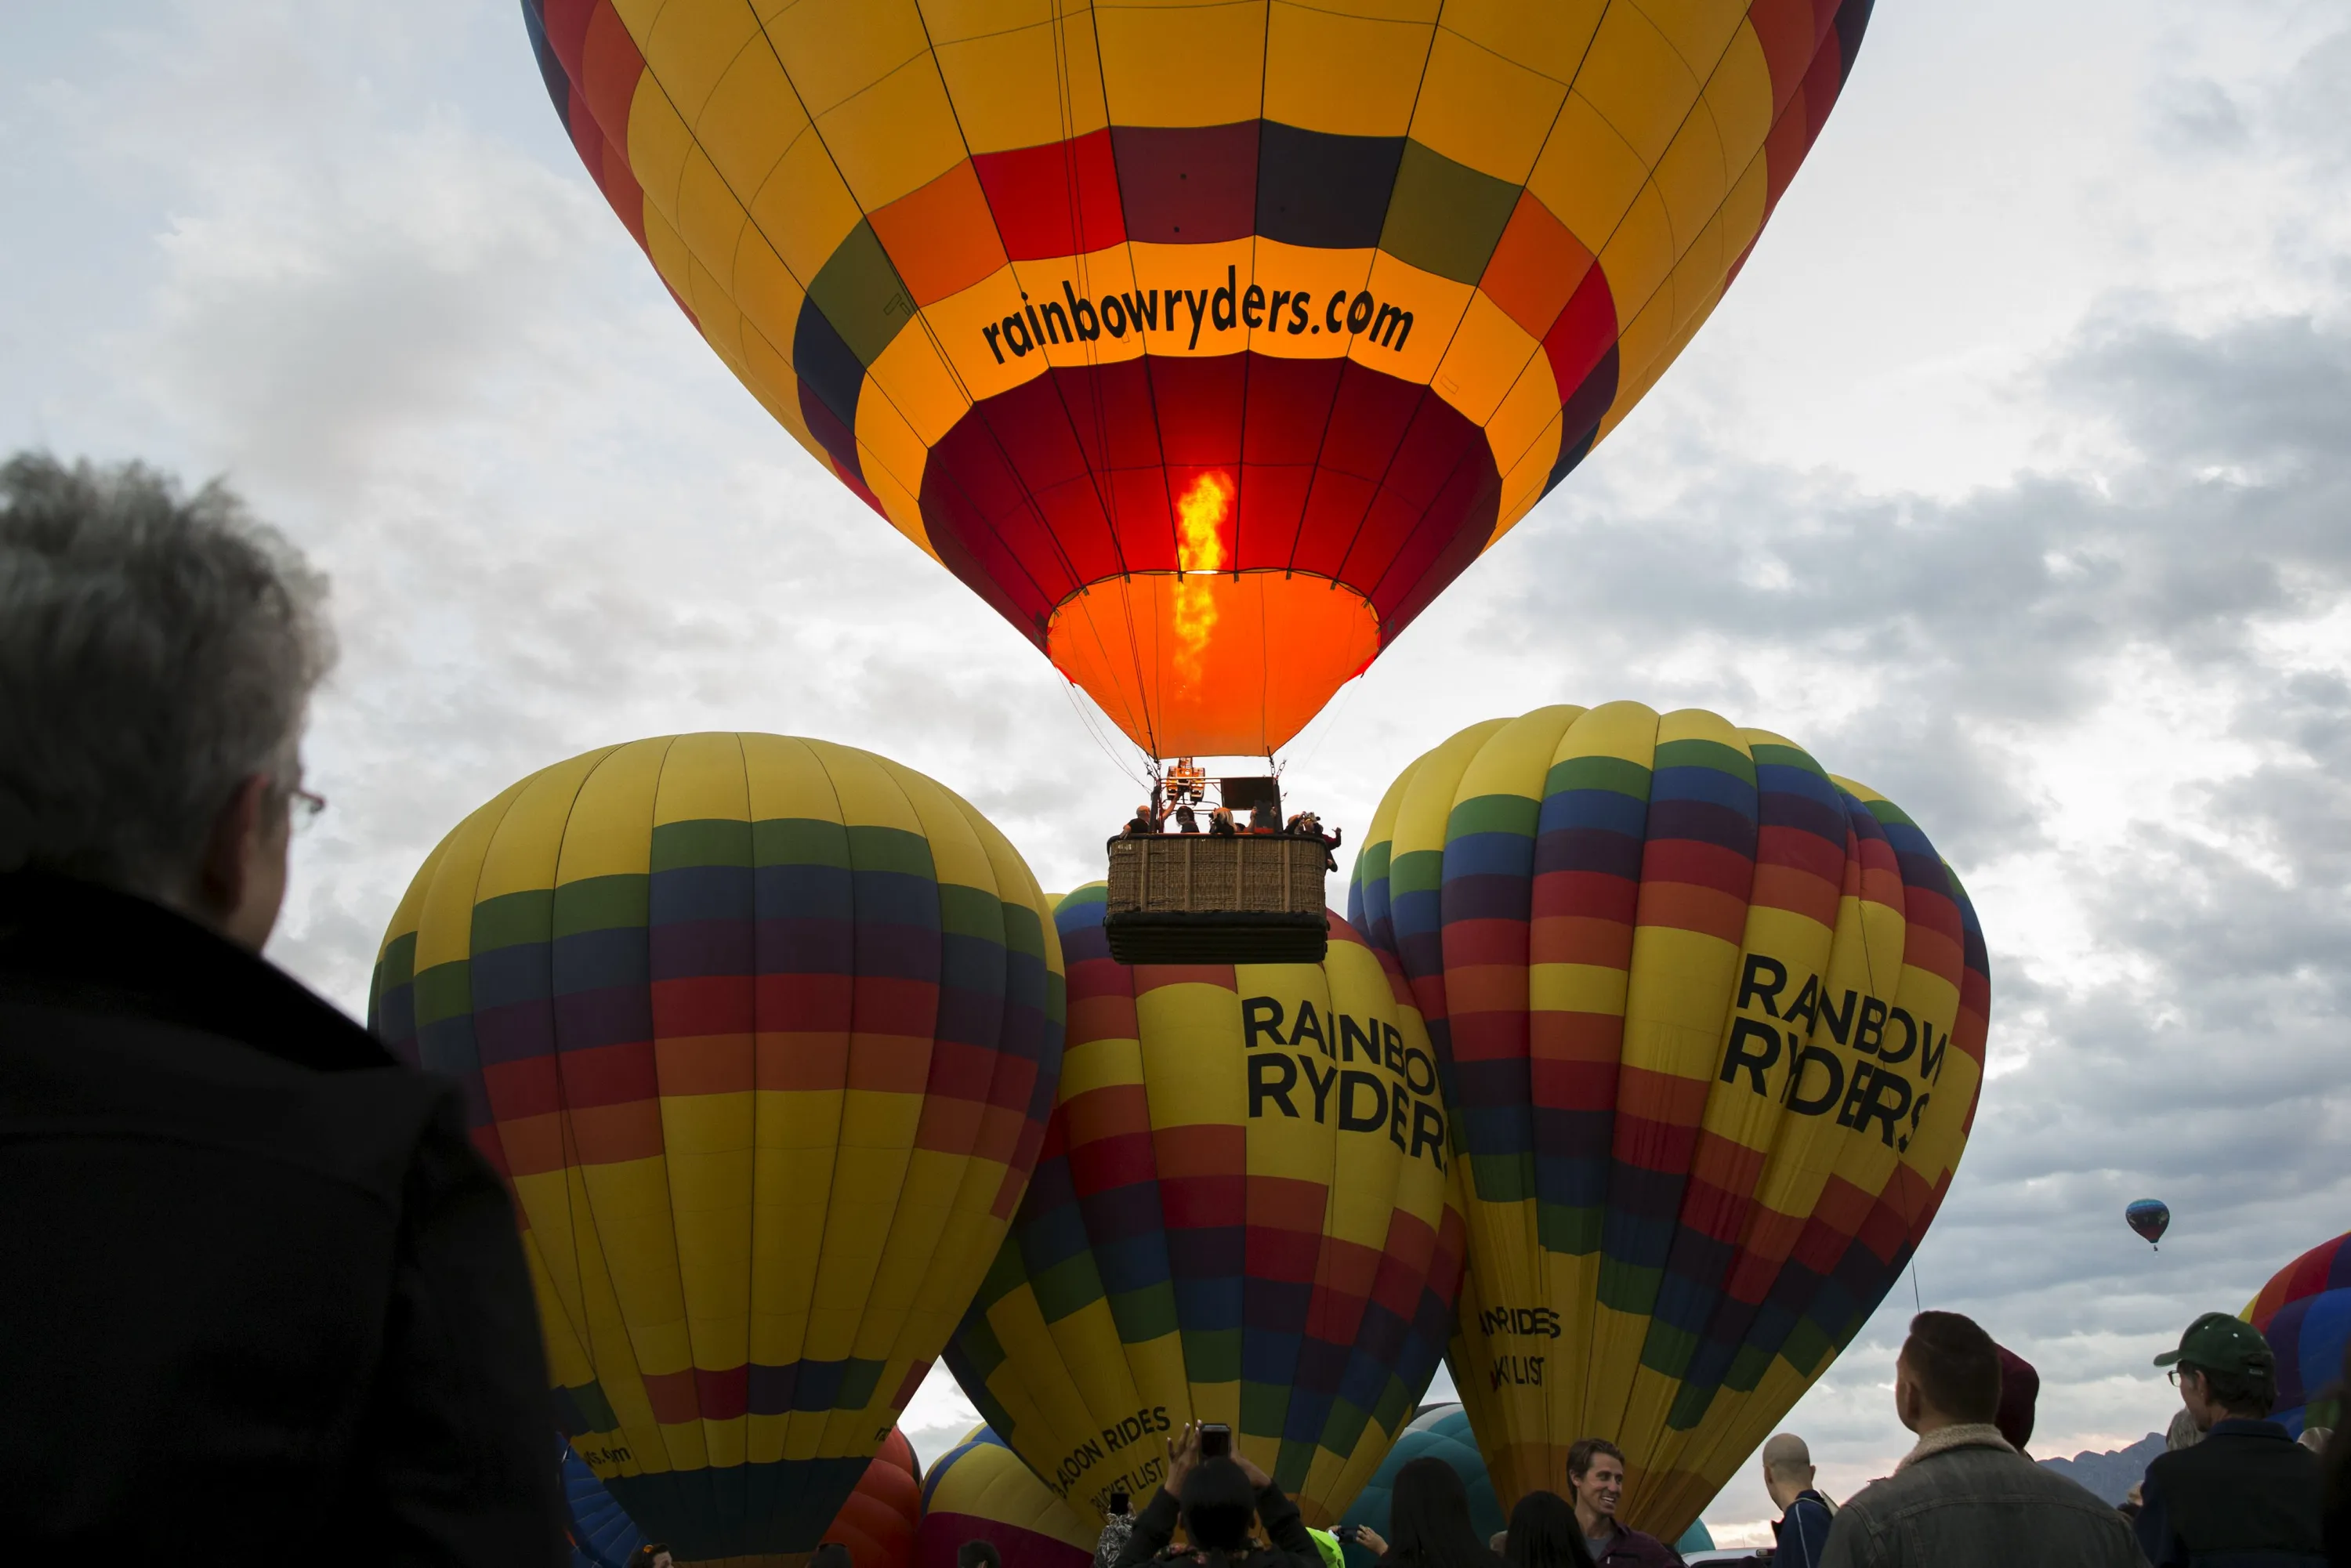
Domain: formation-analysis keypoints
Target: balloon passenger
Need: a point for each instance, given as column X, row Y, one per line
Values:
column 2248, row 1491
column 1185, row 822
column 1216, row 1500
column 1963, row 1496
column 1142, row 825
column 1265, row 818
column 1801, row 1530
column 265, row 1290
column 1220, row 822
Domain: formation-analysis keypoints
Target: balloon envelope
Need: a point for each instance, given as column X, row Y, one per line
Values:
column 763, row 1033
column 979, row 1490
column 1712, row 1024
column 876, row 1523
column 2304, row 1311
column 1440, row 1432
column 2149, row 1218
column 1244, row 1213
column 1206, row 342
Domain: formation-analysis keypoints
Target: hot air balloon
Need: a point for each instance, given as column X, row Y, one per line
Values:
column 1245, row 1213
column 1712, row 1026
column 1439, row 1431
column 979, row 1490
column 2149, row 1217
column 1206, row 342
column 763, row 1033
column 876, row 1523
column 2304, row 1311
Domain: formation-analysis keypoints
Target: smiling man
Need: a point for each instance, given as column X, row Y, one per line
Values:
column 1595, row 1477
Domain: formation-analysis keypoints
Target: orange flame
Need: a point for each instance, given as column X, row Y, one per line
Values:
column 1200, row 512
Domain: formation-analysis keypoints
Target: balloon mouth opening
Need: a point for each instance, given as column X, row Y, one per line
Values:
column 1199, row 662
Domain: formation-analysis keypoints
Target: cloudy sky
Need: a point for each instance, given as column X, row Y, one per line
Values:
column 2014, row 476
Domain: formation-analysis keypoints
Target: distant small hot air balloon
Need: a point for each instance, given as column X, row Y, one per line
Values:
column 2150, row 1218
column 762, row 1033
column 1712, row 1022
column 979, row 1490
column 1245, row 1213
column 2304, row 1311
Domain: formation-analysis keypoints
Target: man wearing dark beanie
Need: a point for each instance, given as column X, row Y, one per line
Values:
column 2019, row 1390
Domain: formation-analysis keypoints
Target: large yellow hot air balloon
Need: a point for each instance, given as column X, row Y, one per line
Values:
column 763, row 1033
column 1244, row 1213
column 1206, row 341
column 1713, row 1025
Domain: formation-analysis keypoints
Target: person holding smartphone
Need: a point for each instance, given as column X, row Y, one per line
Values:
column 1217, row 1495
column 1118, row 1525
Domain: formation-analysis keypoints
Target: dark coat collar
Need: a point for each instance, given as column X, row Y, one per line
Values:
column 70, row 943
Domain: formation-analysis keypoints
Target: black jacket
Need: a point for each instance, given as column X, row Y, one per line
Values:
column 260, row 1300
column 1291, row 1548
column 2247, row 1495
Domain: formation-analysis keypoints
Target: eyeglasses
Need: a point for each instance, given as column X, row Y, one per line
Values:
column 2174, row 1374
column 304, row 806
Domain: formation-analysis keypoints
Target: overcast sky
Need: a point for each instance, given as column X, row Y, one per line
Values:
column 2012, row 477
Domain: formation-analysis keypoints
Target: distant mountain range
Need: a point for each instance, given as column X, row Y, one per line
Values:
column 2111, row 1475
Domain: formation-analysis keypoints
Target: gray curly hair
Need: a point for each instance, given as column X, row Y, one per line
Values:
column 155, row 651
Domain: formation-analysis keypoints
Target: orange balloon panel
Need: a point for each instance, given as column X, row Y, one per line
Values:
column 1213, row 665
column 1021, row 276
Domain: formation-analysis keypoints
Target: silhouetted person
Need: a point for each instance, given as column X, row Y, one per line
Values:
column 1544, row 1533
column 1428, row 1521
column 1216, row 1500
column 2247, row 1493
column 1265, row 818
column 263, row 1302
column 978, row 1554
column 651, row 1554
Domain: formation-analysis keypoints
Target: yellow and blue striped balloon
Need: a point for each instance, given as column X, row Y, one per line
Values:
column 1712, row 1024
column 763, row 1033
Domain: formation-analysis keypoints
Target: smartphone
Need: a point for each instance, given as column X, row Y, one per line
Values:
column 1347, row 1534
column 1118, row 1500
column 1216, row 1440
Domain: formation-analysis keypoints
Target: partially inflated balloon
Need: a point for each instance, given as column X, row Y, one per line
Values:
column 1207, row 341
column 1245, row 1213
column 1712, row 1023
column 2304, row 1311
column 1440, row 1432
column 979, row 1490
column 763, row 1033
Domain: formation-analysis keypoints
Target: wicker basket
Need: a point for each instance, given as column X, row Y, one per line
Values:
column 1200, row 898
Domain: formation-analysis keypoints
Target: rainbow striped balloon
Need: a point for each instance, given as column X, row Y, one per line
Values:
column 1206, row 341
column 1245, row 1212
column 2304, row 1311
column 979, row 1490
column 1712, row 1024
column 763, row 1033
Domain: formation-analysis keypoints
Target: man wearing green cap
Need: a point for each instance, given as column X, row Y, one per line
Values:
column 2247, row 1493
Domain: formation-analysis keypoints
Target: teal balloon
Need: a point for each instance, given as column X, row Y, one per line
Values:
column 1441, row 1431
